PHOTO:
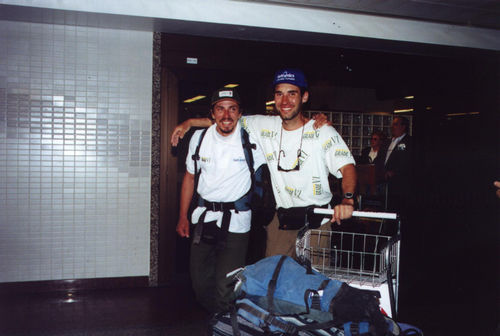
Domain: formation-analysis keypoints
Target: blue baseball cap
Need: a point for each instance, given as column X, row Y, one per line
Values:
column 290, row 76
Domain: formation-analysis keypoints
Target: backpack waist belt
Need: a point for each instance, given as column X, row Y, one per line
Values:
column 241, row 204
column 218, row 206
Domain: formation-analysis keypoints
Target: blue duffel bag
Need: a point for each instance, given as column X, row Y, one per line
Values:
column 278, row 294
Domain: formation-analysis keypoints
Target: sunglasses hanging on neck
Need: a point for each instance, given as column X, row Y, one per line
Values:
column 299, row 151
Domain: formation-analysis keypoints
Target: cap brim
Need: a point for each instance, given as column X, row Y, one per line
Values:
column 225, row 98
column 290, row 82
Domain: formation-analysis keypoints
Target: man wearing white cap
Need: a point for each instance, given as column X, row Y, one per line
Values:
column 218, row 174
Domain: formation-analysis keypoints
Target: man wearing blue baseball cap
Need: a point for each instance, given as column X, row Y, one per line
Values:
column 300, row 159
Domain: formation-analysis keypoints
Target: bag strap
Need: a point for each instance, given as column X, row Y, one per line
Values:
column 198, row 230
column 234, row 321
column 268, row 318
column 196, row 197
column 226, row 220
column 315, row 297
column 226, row 217
column 257, row 186
column 247, row 149
column 288, row 327
column 271, row 287
column 196, row 157
column 322, row 325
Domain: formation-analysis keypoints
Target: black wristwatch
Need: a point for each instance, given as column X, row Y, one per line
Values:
column 349, row 195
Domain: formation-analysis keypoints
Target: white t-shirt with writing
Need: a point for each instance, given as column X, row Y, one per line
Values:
column 323, row 151
column 224, row 174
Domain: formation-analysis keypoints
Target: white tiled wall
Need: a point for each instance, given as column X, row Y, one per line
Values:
column 75, row 143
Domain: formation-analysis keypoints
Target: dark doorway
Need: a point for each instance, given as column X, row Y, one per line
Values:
column 455, row 128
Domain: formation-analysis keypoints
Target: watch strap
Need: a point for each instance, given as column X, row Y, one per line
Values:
column 349, row 195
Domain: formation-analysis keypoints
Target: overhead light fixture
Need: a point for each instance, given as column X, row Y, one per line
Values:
column 230, row 86
column 271, row 102
column 409, row 97
column 190, row 100
column 461, row 114
column 428, row 108
column 403, row 110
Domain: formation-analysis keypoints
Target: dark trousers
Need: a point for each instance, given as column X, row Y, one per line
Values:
column 411, row 259
column 209, row 267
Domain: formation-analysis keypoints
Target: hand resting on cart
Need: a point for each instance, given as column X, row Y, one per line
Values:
column 341, row 211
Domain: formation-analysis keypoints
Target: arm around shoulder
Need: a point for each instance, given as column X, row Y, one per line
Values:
column 181, row 129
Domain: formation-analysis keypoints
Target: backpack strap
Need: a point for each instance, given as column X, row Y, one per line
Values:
column 196, row 197
column 234, row 321
column 271, row 287
column 196, row 157
column 315, row 296
column 242, row 204
column 257, row 186
column 269, row 319
column 247, row 149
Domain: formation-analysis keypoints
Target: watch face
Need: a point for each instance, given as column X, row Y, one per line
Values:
column 348, row 195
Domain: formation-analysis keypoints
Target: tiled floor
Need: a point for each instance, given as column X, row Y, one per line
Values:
column 165, row 311
column 172, row 311
column 139, row 311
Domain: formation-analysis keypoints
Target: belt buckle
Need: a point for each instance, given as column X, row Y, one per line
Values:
column 216, row 207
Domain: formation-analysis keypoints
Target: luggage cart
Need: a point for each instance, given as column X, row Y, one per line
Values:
column 366, row 261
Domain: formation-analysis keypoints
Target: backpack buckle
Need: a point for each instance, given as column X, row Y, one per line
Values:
column 269, row 319
column 216, row 206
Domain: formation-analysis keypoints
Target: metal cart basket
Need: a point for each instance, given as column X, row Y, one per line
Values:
column 367, row 261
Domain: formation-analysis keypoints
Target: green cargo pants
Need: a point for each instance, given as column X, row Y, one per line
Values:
column 209, row 266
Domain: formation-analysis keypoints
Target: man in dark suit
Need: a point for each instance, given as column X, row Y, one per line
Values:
column 398, row 165
column 398, row 174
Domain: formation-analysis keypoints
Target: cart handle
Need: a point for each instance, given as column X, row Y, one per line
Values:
column 367, row 214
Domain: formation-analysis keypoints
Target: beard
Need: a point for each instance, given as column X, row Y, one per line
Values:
column 226, row 130
column 293, row 115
